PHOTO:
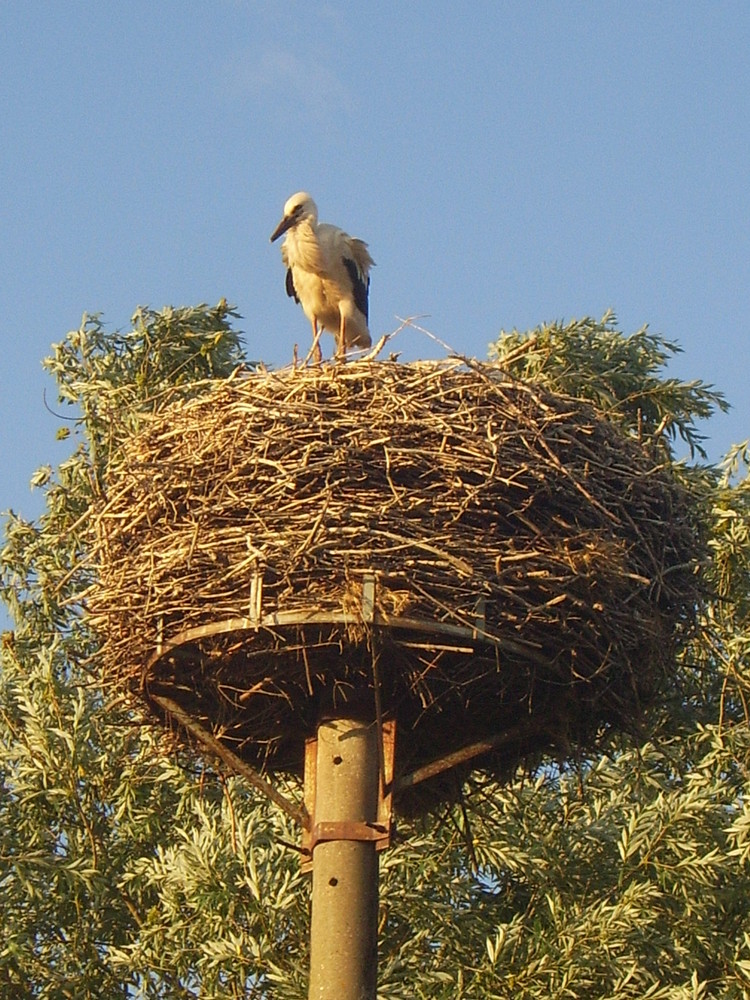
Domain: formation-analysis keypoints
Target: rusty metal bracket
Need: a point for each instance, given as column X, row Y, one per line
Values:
column 378, row 831
column 348, row 831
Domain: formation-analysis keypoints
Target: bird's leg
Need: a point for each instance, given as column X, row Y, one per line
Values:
column 316, row 344
column 315, row 351
column 341, row 341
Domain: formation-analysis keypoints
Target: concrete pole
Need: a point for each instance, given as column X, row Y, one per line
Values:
column 344, row 920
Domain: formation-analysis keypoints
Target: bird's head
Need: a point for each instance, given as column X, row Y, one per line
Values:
column 297, row 208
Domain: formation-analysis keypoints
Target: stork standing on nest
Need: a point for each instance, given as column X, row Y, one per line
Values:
column 328, row 273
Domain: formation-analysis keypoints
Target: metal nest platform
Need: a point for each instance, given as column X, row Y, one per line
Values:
column 499, row 569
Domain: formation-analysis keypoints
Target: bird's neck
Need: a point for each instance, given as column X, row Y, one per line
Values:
column 303, row 241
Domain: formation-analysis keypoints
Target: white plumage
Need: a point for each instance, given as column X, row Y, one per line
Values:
column 328, row 273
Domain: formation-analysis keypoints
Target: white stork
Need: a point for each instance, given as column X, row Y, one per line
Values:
column 328, row 273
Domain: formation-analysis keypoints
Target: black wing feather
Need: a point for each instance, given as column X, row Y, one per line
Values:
column 291, row 291
column 360, row 287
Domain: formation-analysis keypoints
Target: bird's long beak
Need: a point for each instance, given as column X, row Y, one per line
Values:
column 282, row 227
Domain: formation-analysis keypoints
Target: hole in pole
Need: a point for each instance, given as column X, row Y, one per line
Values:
column 338, row 759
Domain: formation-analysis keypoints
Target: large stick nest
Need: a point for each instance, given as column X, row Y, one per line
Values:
column 481, row 559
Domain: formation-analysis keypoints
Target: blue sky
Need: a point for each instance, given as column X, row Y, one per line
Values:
column 508, row 163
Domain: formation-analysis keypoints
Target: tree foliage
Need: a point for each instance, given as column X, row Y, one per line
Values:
column 623, row 376
column 130, row 869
